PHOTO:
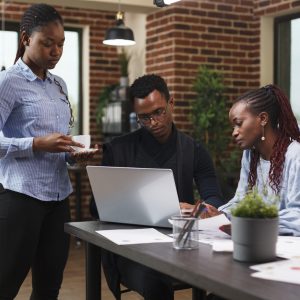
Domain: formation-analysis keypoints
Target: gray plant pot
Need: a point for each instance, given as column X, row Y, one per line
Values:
column 254, row 240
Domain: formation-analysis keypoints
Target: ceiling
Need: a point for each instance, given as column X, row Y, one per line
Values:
column 141, row 6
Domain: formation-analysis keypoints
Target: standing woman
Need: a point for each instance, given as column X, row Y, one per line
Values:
column 35, row 115
column 266, row 128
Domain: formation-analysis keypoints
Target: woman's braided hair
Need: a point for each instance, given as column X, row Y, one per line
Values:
column 35, row 17
column 272, row 100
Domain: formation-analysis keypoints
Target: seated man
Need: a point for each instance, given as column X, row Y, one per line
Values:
column 157, row 144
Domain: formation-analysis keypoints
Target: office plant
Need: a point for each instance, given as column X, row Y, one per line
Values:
column 123, row 59
column 209, row 116
column 107, row 95
column 254, row 228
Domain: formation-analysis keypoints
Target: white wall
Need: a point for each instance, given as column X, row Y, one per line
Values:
column 137, row 63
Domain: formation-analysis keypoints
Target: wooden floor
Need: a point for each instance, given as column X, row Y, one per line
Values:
column 73, row 287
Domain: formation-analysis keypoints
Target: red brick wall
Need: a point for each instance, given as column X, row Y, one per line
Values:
column 104, row 69
column 266, row 7
column 223, row 34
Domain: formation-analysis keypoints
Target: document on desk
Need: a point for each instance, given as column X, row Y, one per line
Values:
column 209, row 232
column 213, row 236
column 213, row 223
column 285, row 271
column 288, row 247
column 135, row 236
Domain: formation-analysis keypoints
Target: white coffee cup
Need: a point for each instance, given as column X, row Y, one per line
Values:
column 84, row 139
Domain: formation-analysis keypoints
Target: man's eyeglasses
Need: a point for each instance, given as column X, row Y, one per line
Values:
column 158, row 116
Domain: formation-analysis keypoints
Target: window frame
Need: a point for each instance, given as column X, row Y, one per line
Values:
column 80, row 79
column 278, row 74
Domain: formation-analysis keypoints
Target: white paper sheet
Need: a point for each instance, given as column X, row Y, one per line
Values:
column 212, row 236
column 285, row 271
column 213, row 223
column 223, row 246
column 135, row 236
column 288, row 247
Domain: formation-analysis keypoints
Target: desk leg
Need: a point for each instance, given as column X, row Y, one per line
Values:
column 198, row 294
column 78, row 201
column 78, row 196
column 93, row 272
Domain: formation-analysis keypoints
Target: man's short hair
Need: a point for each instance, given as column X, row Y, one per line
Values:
column 146, row 84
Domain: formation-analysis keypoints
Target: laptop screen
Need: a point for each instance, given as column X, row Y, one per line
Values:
column 140, row 196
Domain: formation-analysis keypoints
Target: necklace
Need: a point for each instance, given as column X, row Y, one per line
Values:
column 264, row 182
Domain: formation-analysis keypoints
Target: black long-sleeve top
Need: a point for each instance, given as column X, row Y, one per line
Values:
column 189, row 161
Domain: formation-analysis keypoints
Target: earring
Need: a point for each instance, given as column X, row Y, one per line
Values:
column 263, row 138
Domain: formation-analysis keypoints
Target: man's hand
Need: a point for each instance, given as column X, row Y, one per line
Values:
column 209, row 211
column 186, row 208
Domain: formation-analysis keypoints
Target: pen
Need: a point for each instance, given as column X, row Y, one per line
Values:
column 201, row 208
column 186, row 230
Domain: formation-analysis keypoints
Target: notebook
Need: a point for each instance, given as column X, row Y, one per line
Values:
column 139, row 196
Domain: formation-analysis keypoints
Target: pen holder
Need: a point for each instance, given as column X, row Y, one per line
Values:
column 185, row 232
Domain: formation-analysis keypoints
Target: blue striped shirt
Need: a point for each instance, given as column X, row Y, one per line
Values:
column 31, row 107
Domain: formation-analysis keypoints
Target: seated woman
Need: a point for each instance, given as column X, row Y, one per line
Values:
column 265, row 127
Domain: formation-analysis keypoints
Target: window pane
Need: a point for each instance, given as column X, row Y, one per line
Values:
column 68, row 69
column 8, row 47
column 295, row 67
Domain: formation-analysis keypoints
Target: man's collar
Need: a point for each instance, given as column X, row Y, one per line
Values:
column 148, row 136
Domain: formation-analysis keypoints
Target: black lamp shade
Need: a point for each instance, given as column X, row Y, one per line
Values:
column 120, row 35
column 159, row 3
column 162, row 3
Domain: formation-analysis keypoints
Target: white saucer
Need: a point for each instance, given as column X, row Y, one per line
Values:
column 85, row 150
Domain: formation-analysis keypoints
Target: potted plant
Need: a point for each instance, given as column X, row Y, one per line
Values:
column 254, row 228
column 209, row 116
column 123, row 62
column 107, row 95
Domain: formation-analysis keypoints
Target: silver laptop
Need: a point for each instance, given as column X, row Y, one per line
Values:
column 134, row 195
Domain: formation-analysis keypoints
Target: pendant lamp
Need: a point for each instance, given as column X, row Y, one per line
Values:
column 119, row 35
column 162, row 3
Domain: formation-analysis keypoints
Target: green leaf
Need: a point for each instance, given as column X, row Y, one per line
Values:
column 253, row 206
column 209, row 116
column 104, row 98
